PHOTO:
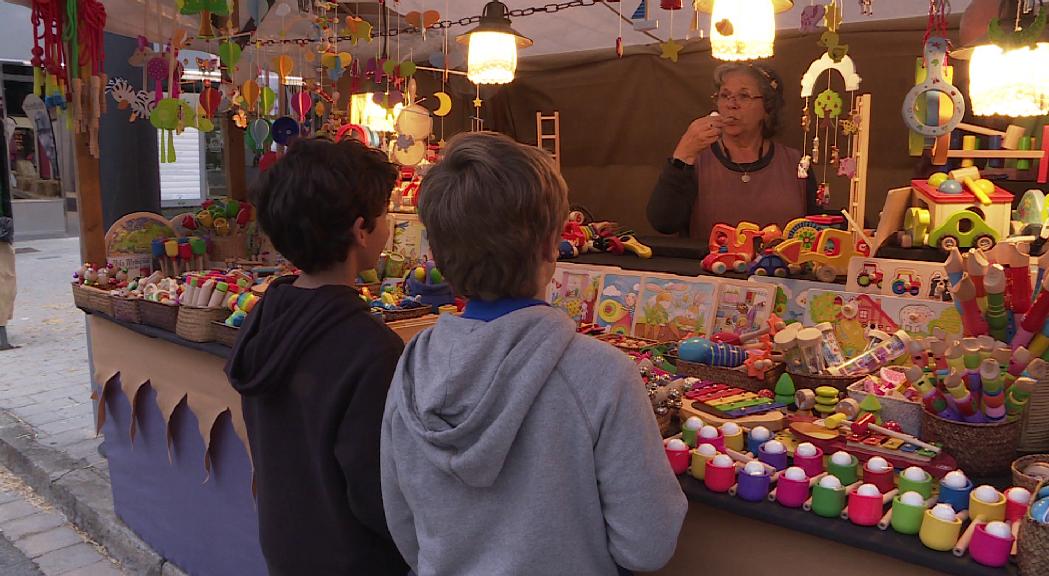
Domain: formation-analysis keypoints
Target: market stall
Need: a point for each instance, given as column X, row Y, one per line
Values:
column 785, row 360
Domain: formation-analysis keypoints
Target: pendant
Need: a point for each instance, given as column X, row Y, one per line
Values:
column 745, row 178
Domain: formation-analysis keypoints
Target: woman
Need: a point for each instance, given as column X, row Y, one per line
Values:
column 726, row 168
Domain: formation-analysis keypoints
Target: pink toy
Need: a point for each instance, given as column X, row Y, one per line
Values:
column 719, row 478
column 791, row 493
column 863, row 510
column 990, row 549
column 812, row 465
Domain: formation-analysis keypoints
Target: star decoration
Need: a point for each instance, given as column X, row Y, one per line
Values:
column 477, row 102
column 670, row 49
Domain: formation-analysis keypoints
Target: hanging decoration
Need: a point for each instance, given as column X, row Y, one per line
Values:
column 811, row 17
column 935, row 81
column 867, row 7
column 205, row 8
column 669, row 50
column 413, row 127
column 828, row 108
column 141, row 102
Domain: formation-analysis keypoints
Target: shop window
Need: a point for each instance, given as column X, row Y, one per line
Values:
column 183, row 182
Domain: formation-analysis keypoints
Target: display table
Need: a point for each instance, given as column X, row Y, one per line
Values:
column 181, row 478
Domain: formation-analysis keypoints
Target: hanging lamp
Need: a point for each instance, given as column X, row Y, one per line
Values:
column 1008, row 75
column 743, row 29
column 492, row 46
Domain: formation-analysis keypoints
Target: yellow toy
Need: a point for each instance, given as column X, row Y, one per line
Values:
column 829, row 255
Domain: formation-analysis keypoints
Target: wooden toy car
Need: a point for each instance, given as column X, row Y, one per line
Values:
column 870, row 275
column 829, row 256
column 965, row 229
column 732, row 248
column 770, row 264
column 906, row 282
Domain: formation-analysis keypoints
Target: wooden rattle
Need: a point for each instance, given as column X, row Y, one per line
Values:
column 935, row 53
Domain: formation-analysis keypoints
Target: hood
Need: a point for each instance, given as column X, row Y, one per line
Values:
column 466, row 386
column 284, row 324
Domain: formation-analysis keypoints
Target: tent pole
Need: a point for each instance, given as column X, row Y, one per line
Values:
column 89, row 203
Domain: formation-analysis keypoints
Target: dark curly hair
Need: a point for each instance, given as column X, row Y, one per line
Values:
column 770, row 84
column 308, row 201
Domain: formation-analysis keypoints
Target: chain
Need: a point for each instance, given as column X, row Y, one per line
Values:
column 443, row 24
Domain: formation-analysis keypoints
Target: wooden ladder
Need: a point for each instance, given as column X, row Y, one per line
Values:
column 541, row 122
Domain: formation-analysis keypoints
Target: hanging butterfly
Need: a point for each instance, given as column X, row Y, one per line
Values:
column 207, row 64
column 811, row 17
column 240, row 118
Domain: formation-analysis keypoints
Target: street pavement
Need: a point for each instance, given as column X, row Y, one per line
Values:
column 45, row 381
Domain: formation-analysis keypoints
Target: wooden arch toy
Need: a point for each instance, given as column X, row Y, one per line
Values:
column 935, row 81
column 846, row 68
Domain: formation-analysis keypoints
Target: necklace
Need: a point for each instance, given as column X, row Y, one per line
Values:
column 745, row 169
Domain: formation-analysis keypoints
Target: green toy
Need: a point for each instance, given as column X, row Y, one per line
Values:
column 785, row 389
column 872, row 406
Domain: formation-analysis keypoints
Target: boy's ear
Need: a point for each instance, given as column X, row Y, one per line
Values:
column 360, row 235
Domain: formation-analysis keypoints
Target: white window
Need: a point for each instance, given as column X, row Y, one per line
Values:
column 184, row 181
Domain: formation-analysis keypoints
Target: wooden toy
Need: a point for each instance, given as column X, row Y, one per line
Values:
column 700, row 456
column 678, row 455
column 954, row 490
column 829, row 256
column 809, row 458
column 733, row 434
column 879, row 472
column 985, row 505
column 793, row 490
column 753, row 483
column 906, row 513
column 690, row 429
column 770, row 420
column 1013, row 145
column 865, row 505
column 828, row 497
column 774, row 454
column 720, row 474
column 732, row 248
column 991, row 544
column 940, row 528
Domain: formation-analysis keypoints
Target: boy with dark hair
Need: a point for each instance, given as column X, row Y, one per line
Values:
column 313, row 366
column 510, row 443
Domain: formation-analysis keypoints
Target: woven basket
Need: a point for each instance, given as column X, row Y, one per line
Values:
column 842, row 383
column 196, row 324
column 1023, row 480
column 82, row 296
column 101, row 301
column 731, row 376
column 980, row 449
column 159, row 315
column 1032, row 544
column 232, row 247
column 127, row 309
column 1034, row 427
column 225, row 334
column 395, row 315
column 907, row 413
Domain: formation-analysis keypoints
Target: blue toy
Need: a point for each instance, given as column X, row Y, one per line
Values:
column 426, row 282
column 950, row 187
column 703, row 351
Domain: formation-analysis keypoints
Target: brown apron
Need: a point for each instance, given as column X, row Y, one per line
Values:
column 774, row 195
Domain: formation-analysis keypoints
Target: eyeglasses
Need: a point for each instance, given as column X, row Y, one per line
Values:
column 741, row 99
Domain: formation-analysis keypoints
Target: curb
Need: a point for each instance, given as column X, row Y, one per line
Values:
column 82, row 493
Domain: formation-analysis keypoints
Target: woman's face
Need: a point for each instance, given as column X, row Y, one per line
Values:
column 740, row 104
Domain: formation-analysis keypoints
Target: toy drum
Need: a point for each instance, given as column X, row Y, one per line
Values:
column 988, row 549
column 679, row 460
column 990, row 511
column 812, row 465
column 734, row 441
column 847, row 474
column 777, row 461
column 719, row 478
column 865, row 510
column 752, row 487
column 698, row 468
column 883, row 479
column 958, row 498
column 906, row 519
column 828, row 502
column 923, row 487
column 792, row 493
column 939, row 534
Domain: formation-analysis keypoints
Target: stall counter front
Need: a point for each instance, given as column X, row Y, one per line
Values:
column 182, row 476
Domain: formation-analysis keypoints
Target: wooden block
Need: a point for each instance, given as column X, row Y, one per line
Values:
column 1008, row 154
column 892, row 443
column 1013, row 133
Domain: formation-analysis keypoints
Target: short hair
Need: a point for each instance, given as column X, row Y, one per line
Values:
column 308, row 201
column 770, row 84
column 490, row 206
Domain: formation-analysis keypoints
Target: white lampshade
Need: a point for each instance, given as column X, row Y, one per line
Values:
column 752, row 33
column 492, row 58
column 1009, row 83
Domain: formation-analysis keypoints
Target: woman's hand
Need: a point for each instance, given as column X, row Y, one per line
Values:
column 701, row 133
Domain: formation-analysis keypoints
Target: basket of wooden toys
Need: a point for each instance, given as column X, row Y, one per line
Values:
column 195, row 324
column 225, row 334
column 208, row 298
column 159, row 304
column 91, row 288
column 981, row 449
column 1032, row 543
column 890, row 395
column 1029, row 471
column 811, row 354
column 225, row 222
column 127, row 308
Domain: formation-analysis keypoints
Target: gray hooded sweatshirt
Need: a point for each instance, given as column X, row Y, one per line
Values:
column 517, row 446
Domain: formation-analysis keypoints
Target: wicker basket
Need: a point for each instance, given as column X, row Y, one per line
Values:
column 907, row 413
column 731, row 376
column 842, row 383
column 82, row 296
column 980, row 449
column 225, row 334
column 163, row 316
column 101, row 301
column 1034, row 427
column 395, row 315
column 196, row 324
column 232, row 247
column 1032, row 544
column 127, row 309
column 1023, row 480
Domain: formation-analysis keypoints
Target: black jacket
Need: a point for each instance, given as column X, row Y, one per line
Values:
column 313, row 368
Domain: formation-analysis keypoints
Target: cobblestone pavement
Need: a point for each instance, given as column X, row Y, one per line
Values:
column 36, row 540
column 45, row 381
